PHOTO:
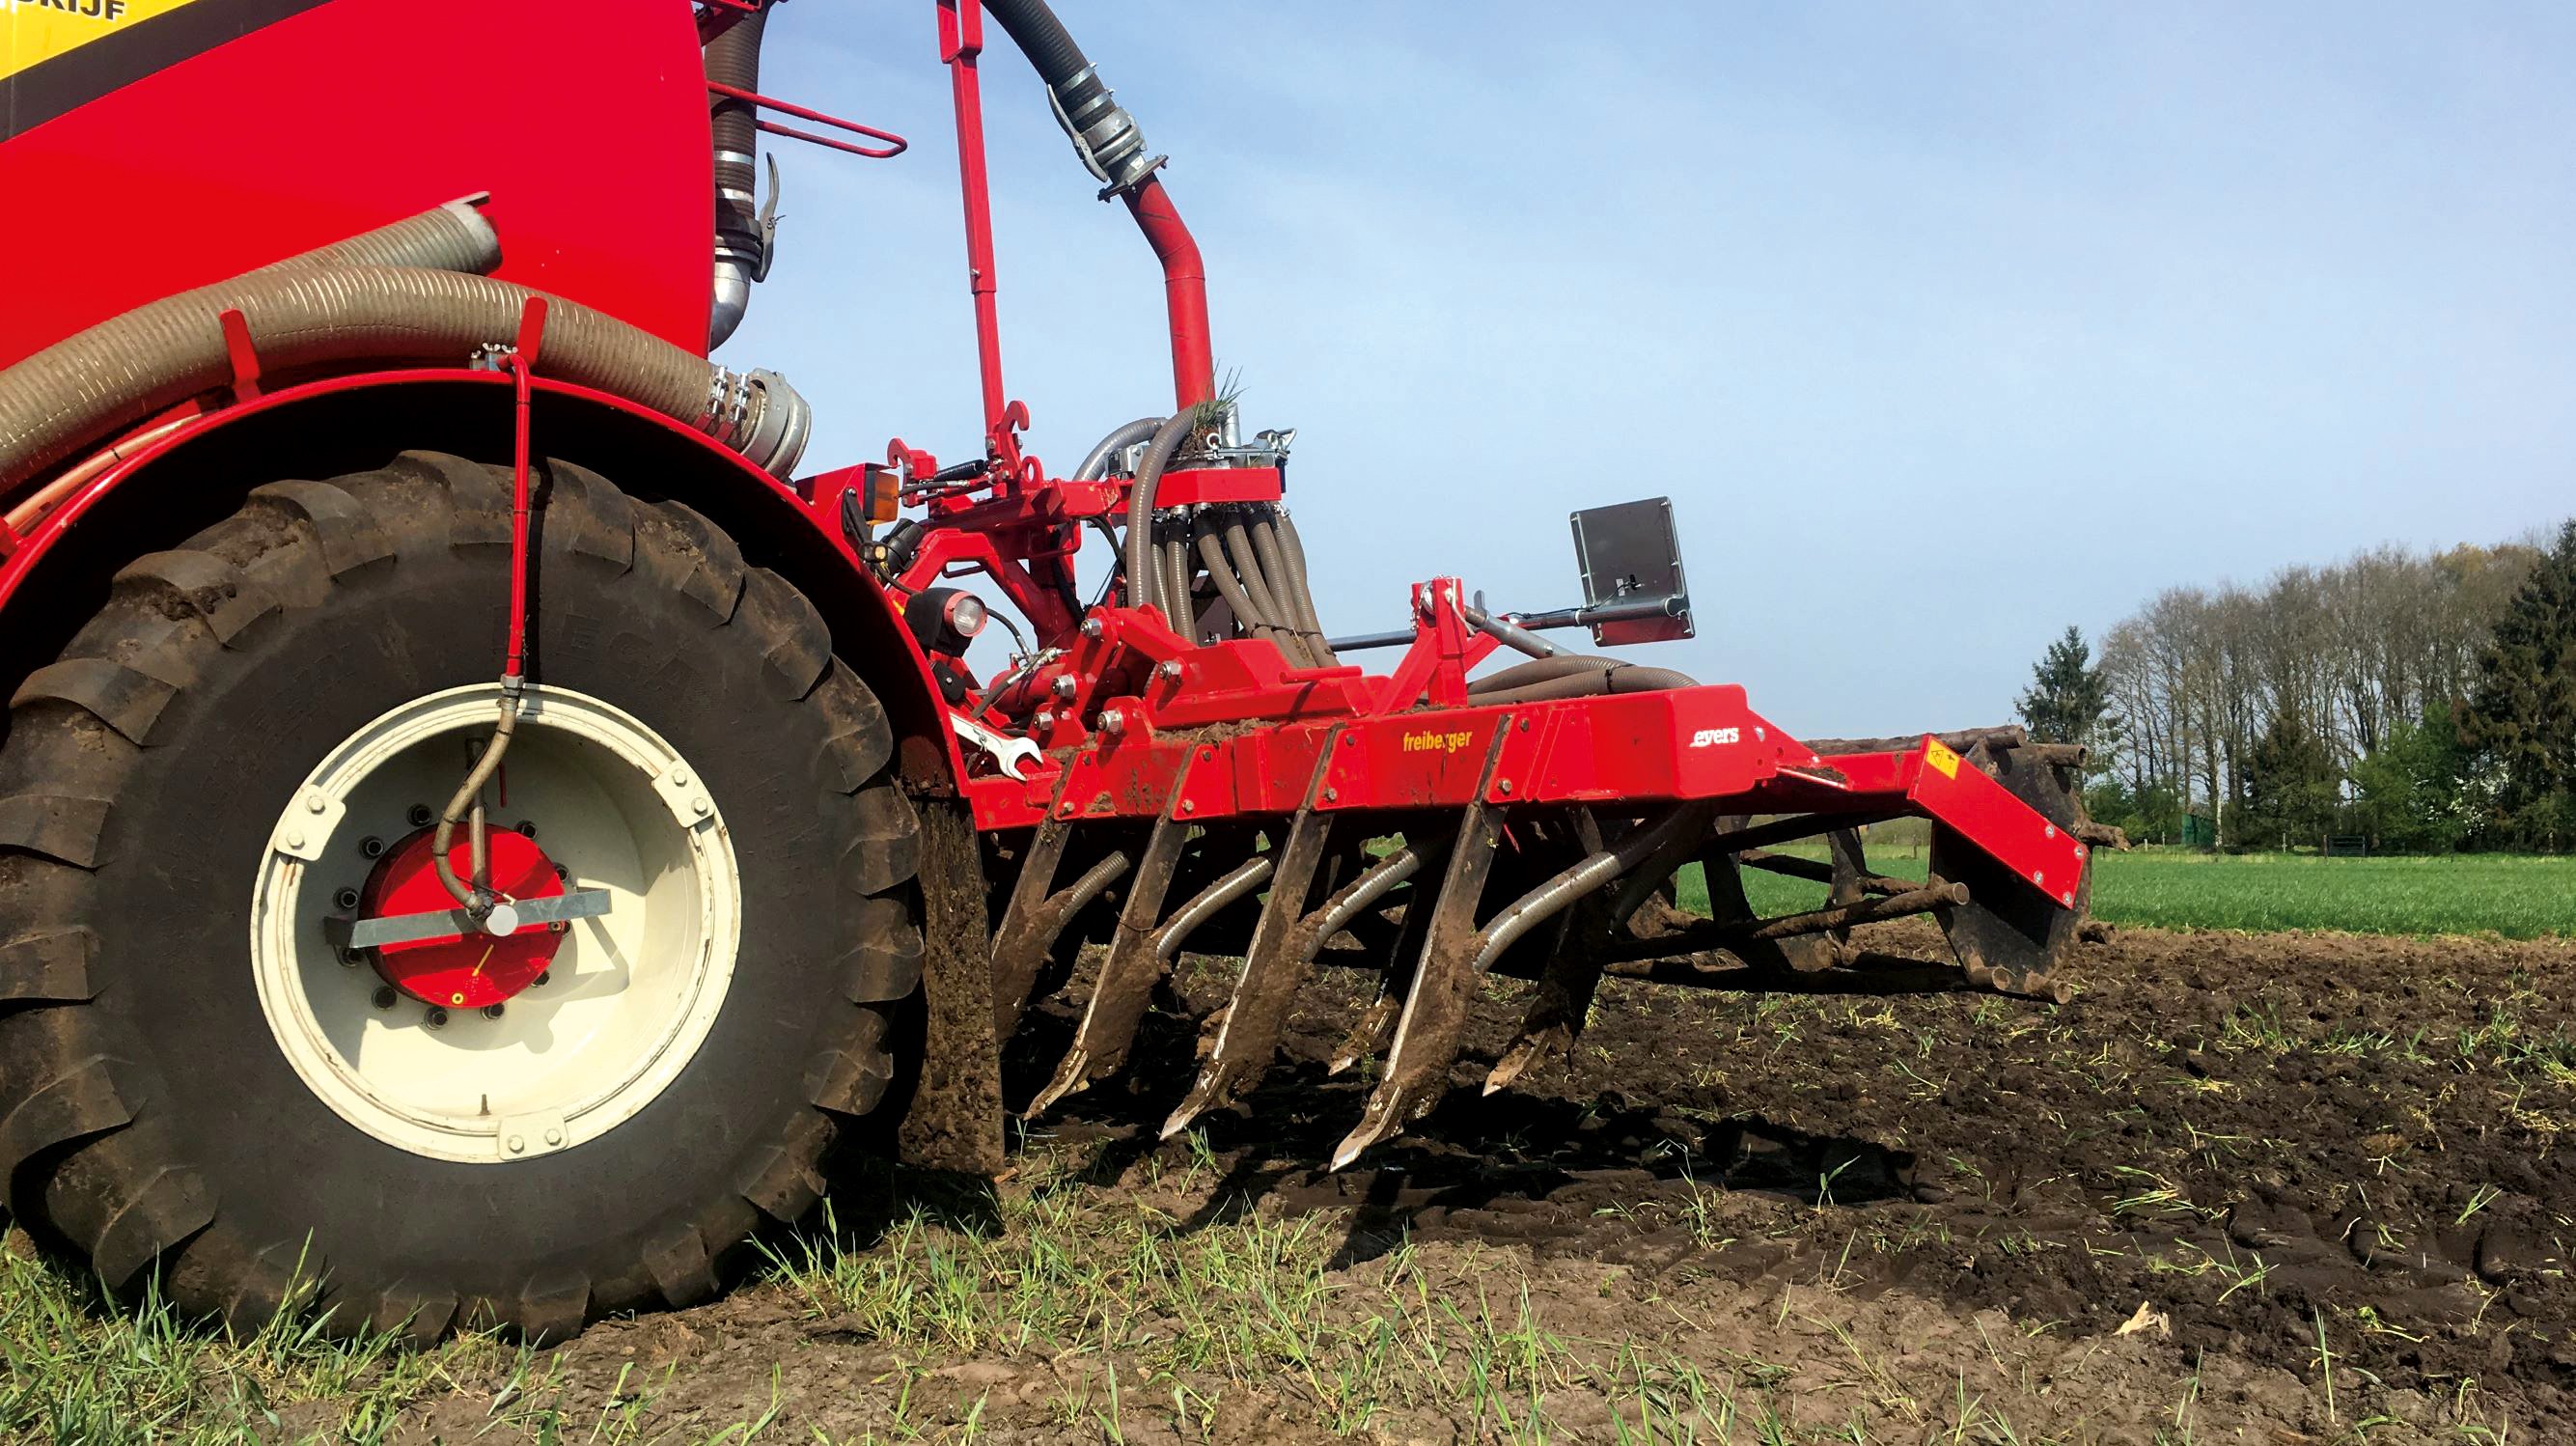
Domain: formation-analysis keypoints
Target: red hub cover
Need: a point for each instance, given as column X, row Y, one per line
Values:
column 462, row 971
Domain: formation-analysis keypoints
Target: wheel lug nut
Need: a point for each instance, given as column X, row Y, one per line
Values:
column 346, row 898
column 436, row 1018
column 527, row 829
column 385, row 997
column 545, row 978
column 351, row 958
column 371, row 847
column 491, row 1011
column 561, row 872
column 418, row 815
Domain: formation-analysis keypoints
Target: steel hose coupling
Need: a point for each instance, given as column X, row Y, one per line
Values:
column 759, row 415
column 1105, row 137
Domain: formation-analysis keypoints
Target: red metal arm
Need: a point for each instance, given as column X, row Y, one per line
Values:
column 895, row 145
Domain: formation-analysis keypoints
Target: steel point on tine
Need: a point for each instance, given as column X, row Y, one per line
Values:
column 1272, row 967
column 1127, row 975
column 1435, row 1007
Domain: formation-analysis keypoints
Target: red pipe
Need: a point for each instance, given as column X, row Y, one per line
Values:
column 1184, row 292
column 522, row 363
column 895, row 144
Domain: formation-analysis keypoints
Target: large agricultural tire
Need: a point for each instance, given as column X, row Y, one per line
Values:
column 151, row 1109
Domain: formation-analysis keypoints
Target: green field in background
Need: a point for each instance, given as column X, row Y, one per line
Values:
column 2517, row 896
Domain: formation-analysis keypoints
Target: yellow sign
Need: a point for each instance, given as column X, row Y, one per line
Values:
column 35, row 31
column 1437, row 741
column 1941, row 756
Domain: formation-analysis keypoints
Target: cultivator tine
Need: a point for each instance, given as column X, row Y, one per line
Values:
column 1247, row 1031
column 1370, row 1034
column 1034, row 918
column 1128, row 974
column 1435, row 1006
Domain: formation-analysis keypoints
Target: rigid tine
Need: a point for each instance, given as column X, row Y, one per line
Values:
column 1435, row 1007
column 1572, row 973
column 1021, row 940
column 1127, row 975
column 1247, row 1031
column 1047, row 926
column 1375, row 1028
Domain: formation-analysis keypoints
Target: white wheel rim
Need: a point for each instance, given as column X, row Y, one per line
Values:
column 632, row 993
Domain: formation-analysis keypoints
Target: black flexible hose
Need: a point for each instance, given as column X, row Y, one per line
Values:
column 1176, row 587
column 1228, row 586
column 1256, row 584
column 733, row 58
column 1285, row 588
column 1571, row 676
column 1141, row 560
column 1050, row 49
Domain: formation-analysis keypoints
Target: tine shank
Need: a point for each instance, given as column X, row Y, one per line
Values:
column 1127, row 976
column 1248, row 1030
column 1435, row 1007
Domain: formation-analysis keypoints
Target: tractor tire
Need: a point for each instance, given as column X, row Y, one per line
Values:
column 158, row 1119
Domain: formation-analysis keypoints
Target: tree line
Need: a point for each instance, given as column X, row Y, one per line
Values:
column 2423, row 701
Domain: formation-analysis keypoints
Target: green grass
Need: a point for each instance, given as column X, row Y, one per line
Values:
column 2518, row 897
column 80, row 1367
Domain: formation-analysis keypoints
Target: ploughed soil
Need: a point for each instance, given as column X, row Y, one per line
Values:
column 2242, row 1188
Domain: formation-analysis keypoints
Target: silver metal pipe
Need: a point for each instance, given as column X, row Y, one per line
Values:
column 1510, row 634
column 1241, row 880
column 1548, row 899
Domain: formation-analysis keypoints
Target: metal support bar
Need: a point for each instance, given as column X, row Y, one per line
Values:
column 1501, row 627
column 1721, row 935
column 1817, row 871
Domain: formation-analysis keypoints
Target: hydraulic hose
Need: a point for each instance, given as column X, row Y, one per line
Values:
column 1294, row 548
column 1143, row 570
column 1288, row 590
column 1571, row 676
column 1176, row 588
column 1228, row 586
column 741, row 243
column 1095, row 463
column 125, row 369
column 1256, row 584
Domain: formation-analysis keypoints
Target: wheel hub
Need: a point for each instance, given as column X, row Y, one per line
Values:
column 474, row 970
column 380, row 989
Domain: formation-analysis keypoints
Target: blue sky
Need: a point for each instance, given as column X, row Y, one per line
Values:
column 1944, row 326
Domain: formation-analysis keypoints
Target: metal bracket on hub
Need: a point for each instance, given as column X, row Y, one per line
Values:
column 439, row 923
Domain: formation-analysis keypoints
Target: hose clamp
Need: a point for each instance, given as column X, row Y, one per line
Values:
column 780, row 423
column 1105, row 137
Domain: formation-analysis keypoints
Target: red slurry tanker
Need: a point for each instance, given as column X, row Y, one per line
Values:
column 479, row 813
